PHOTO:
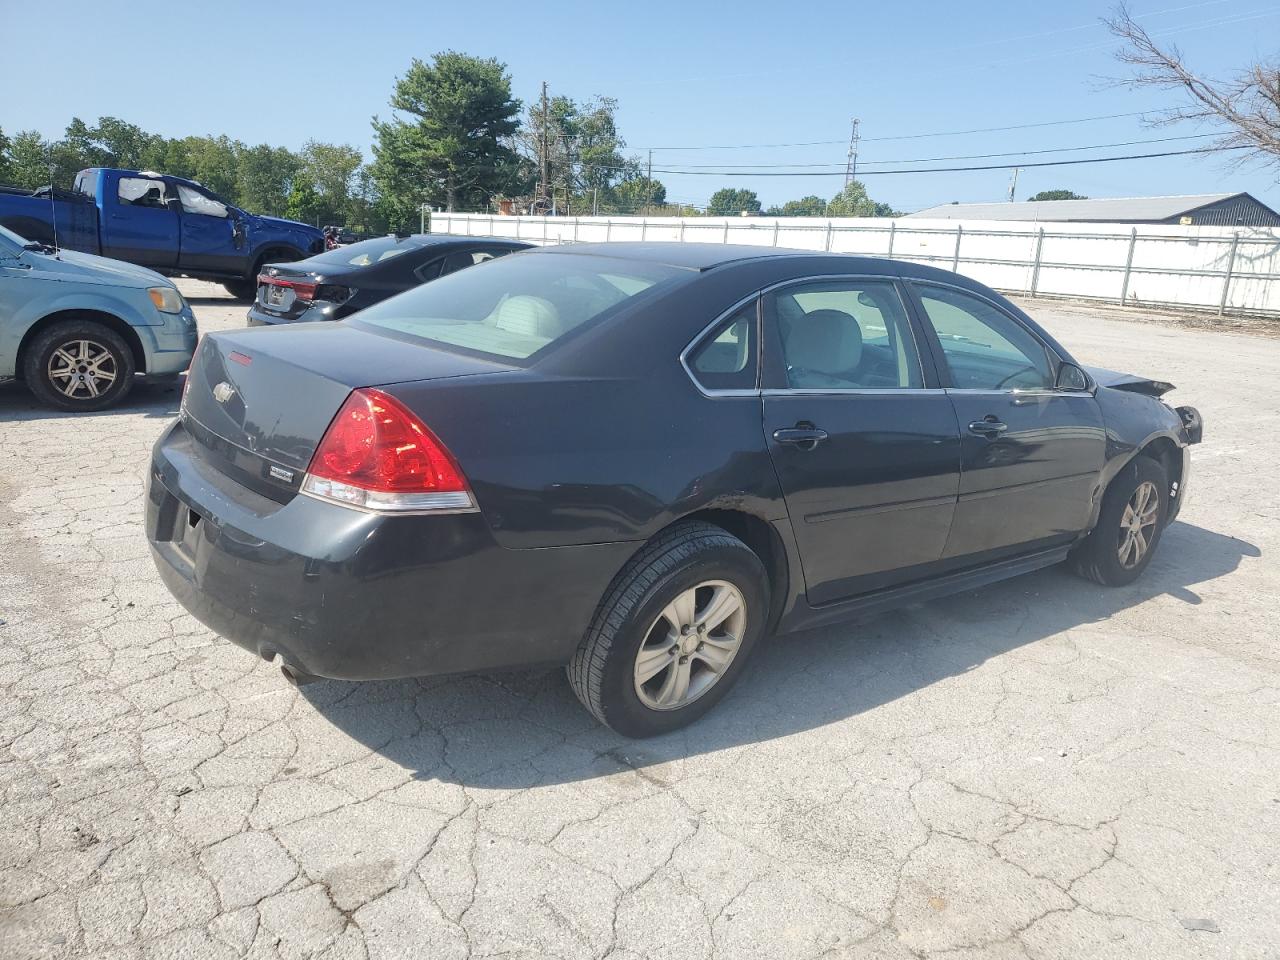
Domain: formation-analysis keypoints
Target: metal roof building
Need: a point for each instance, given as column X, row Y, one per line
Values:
column 1207, row 209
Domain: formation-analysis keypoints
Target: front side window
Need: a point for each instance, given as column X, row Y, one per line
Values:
column 518, row 306
column 141, row 192
column 726, row 360
column 985, row 348
column 844, row 335
column 193, row 201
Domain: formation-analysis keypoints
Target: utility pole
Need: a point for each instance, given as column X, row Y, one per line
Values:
column 1013, row 184
column 545, row 151
column 851, row 164
column 648, row 185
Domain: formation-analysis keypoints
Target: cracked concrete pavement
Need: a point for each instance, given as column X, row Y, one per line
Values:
column 1041, row 769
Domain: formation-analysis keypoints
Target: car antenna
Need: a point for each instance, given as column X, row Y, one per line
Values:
column 53, row 215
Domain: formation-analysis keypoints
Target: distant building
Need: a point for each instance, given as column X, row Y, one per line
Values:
column 1208, row 209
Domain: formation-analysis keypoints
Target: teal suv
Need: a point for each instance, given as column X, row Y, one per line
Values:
column 80, row 329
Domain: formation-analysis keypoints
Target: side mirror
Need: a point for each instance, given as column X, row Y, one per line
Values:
column 1071, row 377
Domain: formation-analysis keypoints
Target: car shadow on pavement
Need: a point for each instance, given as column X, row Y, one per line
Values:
column 525, row 730
column 157, row 399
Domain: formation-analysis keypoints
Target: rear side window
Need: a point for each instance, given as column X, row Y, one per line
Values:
column 367, row 252
column 518, row 305
column 87, row 183
column 141, row 192
column 726, row 359
column 844, row 335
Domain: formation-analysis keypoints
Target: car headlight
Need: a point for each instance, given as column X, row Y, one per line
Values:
column 166, row 299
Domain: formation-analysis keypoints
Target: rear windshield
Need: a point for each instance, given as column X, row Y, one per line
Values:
column 368, row 252
column 514, row 307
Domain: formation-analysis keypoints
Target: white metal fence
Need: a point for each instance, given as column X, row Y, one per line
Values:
column 1235, row 270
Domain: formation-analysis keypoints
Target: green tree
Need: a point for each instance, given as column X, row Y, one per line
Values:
column 729, row 202
column 597, row 145
column 213, row 162
column 29, row 159
column 853, row 201
column 1058, row 195
column 332, row 169
column 633, row 194
column 809, row 206
column 455, row 149
column 264, row 175
column 305, row 203
column 6, row 163
column 122, row 144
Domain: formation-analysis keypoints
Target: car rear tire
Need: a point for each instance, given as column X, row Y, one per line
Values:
column 79, row 365
column 673, row 632
column 1132, row 518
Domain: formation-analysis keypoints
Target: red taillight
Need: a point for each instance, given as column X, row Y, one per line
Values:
column 301, row 289
column 378, row 455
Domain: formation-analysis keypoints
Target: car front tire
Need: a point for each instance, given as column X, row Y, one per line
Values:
column 79, row 365
column 673, row 632
column 1132, row 518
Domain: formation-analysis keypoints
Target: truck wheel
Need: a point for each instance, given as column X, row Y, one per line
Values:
column 244, row 290
column 79, row 365
column 673, row 632
column 1130, row 522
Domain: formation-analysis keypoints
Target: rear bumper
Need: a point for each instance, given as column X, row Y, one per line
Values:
column 350, row 595
column 319, row 310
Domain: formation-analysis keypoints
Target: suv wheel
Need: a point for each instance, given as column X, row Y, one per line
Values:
column 1130, row 522
column 79, row 365
column 673, row 633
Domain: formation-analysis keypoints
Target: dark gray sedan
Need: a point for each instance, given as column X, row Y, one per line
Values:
column 636, row 460
column 338, row 282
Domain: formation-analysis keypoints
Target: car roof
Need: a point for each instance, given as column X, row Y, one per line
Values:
column 707, row 256
column 439, row 239
column 689, row 256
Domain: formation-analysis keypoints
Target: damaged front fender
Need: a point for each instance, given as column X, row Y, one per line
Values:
column 1129, row 382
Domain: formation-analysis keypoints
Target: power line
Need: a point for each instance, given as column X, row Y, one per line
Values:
column 912, row 136
column 965, row 156
column 991, row 166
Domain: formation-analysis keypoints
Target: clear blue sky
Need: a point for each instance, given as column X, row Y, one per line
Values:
column 685, row 74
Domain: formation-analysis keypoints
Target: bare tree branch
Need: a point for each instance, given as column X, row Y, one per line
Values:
column 1247, row 106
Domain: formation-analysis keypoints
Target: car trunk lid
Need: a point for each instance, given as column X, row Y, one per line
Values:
column 257, row 402
column 286, row 291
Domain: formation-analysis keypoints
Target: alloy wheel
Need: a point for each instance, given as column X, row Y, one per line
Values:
column 82, row 369
column 1137, row 524
column 690, row 645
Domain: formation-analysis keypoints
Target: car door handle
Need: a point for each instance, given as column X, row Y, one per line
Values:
column 988, row 427
column 800, row 436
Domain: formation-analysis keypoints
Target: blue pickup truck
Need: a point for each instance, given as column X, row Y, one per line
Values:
column 168, row 224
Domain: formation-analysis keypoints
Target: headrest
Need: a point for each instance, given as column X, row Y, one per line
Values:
column 825, row 341
column 532, row 316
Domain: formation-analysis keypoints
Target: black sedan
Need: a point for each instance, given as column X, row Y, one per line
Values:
column 636, row 460
column 338, row 282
